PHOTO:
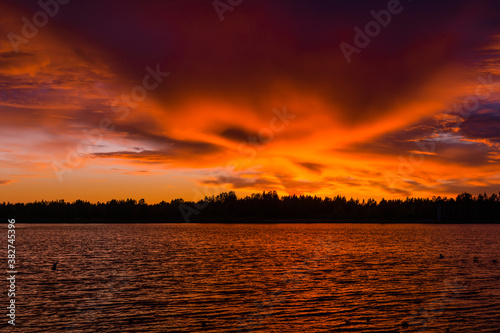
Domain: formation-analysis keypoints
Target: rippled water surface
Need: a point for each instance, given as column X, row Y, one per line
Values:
column 260, row 278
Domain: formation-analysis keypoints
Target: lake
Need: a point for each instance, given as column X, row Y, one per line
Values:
column 257, row 278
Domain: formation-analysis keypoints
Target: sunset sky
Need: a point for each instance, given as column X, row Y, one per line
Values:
column 163, row 99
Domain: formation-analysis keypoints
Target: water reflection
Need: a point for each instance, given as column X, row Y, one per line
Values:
column 262, row 278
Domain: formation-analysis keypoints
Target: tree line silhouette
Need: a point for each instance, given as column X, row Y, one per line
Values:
column 263, row 207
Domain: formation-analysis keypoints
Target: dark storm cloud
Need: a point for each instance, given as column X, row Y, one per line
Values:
column 449, row 150
column 171, row 150
column 261, row 43
column 278, row 181
column 389, row 189
column 241, row 182
column 236, row 134
column 438, row 140
column 166, row 148
column 314, row 167
column 14, row 55
column 145, row 132
column 483, row 125
column 195, row 147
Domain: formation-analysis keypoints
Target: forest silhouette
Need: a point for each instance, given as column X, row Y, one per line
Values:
column 264, row 207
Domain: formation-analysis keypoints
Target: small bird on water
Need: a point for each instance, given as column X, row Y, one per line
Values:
column 54, row 267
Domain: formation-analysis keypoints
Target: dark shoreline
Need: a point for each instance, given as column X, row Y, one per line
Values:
column 265, row 207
